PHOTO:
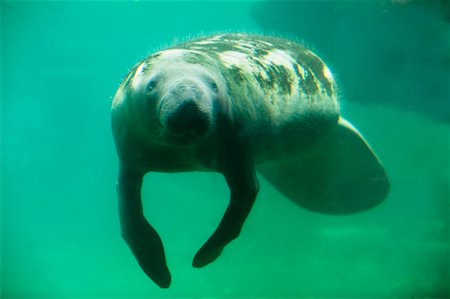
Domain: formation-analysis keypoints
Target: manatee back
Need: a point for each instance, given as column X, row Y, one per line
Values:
column 269, row 78
column 280, row 93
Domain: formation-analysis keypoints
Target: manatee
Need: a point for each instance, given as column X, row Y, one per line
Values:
column 237, row 104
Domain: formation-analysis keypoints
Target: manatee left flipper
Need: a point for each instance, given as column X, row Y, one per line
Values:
column 243, row 184
column 140, row 236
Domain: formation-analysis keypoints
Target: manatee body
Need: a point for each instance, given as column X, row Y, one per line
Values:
column 237, row 104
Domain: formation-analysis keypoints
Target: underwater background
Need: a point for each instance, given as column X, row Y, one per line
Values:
column 61, row 63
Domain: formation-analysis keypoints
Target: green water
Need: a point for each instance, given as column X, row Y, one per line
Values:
column 61, row 64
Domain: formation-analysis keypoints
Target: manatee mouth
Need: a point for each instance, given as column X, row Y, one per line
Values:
column 187, row 121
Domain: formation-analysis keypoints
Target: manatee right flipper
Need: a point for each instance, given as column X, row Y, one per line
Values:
column 241, row 179
column 338, row 175
column 140, row 236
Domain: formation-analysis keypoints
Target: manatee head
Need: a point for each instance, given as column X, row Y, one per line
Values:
column 177, row 100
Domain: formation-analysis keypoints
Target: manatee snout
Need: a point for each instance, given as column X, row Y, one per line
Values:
column 186, row 112
column 188, row 120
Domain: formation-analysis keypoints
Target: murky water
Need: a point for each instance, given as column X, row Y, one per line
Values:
column 61, row 64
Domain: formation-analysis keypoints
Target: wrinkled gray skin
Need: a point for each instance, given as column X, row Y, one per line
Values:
column 227, row 103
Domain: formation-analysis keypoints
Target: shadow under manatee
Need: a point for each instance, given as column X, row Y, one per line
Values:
column 387, row 52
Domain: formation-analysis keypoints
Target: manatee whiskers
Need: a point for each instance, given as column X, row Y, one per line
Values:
column 187, row 120
column 237, row 104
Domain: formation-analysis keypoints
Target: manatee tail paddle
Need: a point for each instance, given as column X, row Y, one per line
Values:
column 339, row 175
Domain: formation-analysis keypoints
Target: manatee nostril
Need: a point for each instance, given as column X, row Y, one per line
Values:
column 188, row 120
column 187, row 91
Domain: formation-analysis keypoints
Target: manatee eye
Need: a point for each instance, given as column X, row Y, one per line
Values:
column 151, row 86
column 214, row 87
